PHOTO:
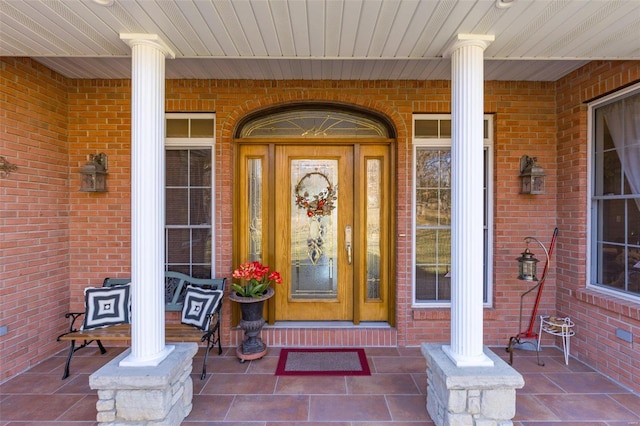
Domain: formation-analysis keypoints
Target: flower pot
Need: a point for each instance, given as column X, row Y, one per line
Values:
column 252, row 321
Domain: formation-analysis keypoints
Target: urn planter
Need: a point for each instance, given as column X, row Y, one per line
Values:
column 251, row 322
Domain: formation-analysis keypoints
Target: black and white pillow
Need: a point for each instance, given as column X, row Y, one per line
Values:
column 199, row 303
column 107, row 306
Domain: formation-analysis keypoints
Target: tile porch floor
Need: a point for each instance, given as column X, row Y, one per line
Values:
column 393, row 395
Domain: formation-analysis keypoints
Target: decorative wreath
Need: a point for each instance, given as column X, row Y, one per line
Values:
column 320, row 204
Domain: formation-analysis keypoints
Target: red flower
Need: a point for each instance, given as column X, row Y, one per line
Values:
column 257, row 279
column 275, row 276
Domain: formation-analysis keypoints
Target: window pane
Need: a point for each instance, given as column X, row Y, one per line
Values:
column 201, row 271
column 428, row 168
column 433, row 284
column 255, row 209
column 427, row 207
column 176, row 166
column 433, row 168
column 314, row 237
column 178, row 246
column 613, row 223
column 445, row 128
column 426, row 246
column 426, row 128
column 444, row 283
column 374, row 196
column 426, row 283
column 444, row 205
column 433, row 246
column 201, row 245
column 444, row 247
column 177, row 206
column 200, row 171
column 177, row 128
column 202, row 128
column 612, row 174
column 200, row 207
column 315, row 123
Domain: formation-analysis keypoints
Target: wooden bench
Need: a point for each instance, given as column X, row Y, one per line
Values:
column 175, row 288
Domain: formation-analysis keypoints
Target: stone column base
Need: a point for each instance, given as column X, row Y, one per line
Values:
column 160, row 395
column 470, row 396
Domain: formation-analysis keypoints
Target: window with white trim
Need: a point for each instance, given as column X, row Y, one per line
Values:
column 189, row 201
column 432, row 209
column 615, row 197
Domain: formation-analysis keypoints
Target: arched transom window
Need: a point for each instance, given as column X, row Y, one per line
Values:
column 314, row 122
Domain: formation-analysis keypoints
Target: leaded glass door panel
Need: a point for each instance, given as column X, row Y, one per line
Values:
column 314, row 243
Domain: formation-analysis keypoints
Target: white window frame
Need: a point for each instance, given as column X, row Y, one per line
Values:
column 195, row 143
column 591, row 181
column 446, row 143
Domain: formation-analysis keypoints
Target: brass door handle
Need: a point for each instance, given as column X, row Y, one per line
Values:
column 347, row 242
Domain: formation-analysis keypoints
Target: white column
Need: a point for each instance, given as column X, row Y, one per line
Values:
column 147, row 200
column 467, row 248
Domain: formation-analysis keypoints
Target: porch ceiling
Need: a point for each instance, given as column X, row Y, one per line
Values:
column 321, row 39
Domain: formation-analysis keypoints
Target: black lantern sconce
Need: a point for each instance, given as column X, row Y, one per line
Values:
column 531, row 176
column 94, row 173
column 527, row 263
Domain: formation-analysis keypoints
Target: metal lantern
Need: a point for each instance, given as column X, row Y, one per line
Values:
column 94, row 174
column 527, row 265
column 531, row 176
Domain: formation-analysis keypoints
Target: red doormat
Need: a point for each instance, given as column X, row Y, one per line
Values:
column 323, row 362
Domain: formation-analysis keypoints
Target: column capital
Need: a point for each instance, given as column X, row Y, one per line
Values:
column 153, row 40
column 460, row 40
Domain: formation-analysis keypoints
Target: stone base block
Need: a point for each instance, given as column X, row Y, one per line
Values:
column 470, row 396
column 158, row 396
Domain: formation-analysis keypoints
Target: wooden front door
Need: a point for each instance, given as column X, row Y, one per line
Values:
column 314, row 232
column 320, row 215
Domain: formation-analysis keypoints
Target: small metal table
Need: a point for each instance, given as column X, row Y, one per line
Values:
column 562, row 327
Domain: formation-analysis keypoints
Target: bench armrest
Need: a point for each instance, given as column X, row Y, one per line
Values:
column 214, row 324
column 74, row 316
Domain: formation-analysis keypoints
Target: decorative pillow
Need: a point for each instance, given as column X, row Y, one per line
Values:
column 106, row 306
column 199, row 303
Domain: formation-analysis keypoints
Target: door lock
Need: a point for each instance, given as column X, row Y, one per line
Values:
column 347, row 242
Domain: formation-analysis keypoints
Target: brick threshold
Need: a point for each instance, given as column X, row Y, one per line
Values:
column 324, row 334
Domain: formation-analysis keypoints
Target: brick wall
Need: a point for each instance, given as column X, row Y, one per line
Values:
column 541, row 119
column 596, row 315
column 34, row 217
column 99, row 223
column 525, row 123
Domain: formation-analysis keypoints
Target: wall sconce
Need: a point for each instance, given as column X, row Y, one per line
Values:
column 6, row 167
column 531, row 175
column 94, row 173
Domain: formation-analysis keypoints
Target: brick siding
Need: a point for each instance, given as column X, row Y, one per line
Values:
column 596, row 315
column 34, row 217
column 66, row 240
